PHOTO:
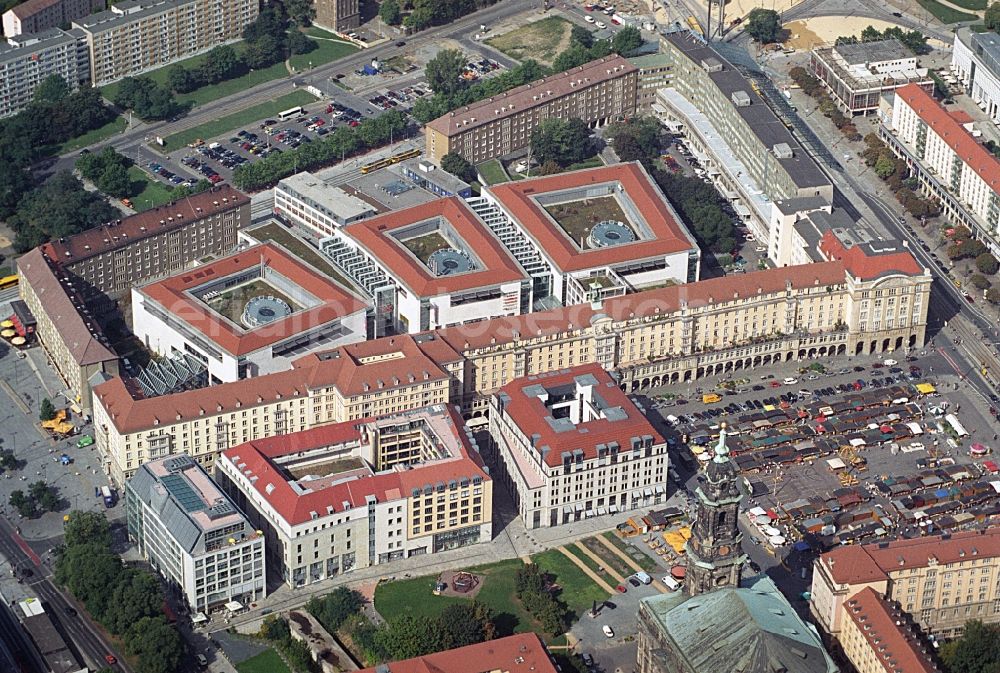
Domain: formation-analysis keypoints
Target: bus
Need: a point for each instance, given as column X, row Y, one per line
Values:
column 109, row 498
column 291, row 112
column 8, row 281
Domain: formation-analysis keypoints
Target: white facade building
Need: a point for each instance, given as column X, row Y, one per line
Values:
column 290, row 309
column 307, row 200
column 948, row 161
column 572, row 445
column 975, row 61
column 193, row 535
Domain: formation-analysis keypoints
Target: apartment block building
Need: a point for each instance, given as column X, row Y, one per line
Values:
column 572, row 445
column 36, row 16
column 139, row 35
column 862, row 300
column 858, row 75
column 353, row 495
column 26, row 60
column 338, row 15
column 879, row 638
column 949, row 163
column 941, row 581
column 108, row 261
column 975, row 62
column 68, row 332
column 193, row 535
column 747, row 150
column 654, row 74
column 308, row 201
column 597, row 92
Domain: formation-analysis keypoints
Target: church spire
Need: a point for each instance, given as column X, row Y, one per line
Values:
column 721, row 450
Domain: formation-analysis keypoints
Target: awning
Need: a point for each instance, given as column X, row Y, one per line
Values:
column 579, row 507
column 567, row 510
column 648, row 492
column 601, row 511
column 199, row 618
column 589, row 513
column 613, row 508
column 925, row 388
column 234, row 606
column 659, row 490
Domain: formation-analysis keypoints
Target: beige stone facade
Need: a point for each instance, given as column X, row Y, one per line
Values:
column 941, row 581
column 338, row 15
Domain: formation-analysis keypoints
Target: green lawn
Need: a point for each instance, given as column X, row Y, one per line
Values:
column 541, row 40
column 267, row 661
column 415, row 597
column 946, row 14
column 592, row 162
column 644, row 560
column 592, row 564
column 492, row 172
column 224, row 125
column 330, row 49
column 154, row 193
column 970, row 4
column 280, row 235
column 213, row 91
column 578, row 591
column 113, row 127
column 611, row 559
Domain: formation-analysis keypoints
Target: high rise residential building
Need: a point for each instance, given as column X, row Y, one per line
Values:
column 598, row 92
column 193, row 535
column 942, row 581
column 26, row 60
column 139, row 35
column 572, row 445
column 338, row 15
column 36, row 16
column 948, row 162
column 858, row 75
column 352, row 495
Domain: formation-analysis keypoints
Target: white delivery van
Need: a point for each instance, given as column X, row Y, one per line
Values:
column 643, row 577
column 671, row 583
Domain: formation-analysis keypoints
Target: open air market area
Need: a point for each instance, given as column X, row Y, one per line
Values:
column 500, row 336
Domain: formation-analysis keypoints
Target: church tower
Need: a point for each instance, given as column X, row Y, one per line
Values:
column 715, row 557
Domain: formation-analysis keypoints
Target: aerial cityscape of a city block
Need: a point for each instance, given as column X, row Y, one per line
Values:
column 500, row 336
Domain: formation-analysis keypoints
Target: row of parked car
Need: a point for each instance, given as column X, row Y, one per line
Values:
column 168, row 175
column 210, row 173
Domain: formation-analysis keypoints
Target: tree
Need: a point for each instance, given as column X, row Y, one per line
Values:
column 987, row 264
column 884, row 167
column 444, row 72
column 24, row 505
column 458, row 166
column 52, row 89
column 181, row 79
column 301, row 12
column 980, row 282
column 44, row 496
column 137, row 595
column 409, row 636
column 977, row 651
column 91, row 573
column 299, row 43
column 993, row 295
column 7, row 459
column 581, row 36
column 275, row 628
column 390, row 12
column 626, row 41
column 560, row 140
column 333, row 609
column 221, row 63
column 158, row 646
column 763, row 25
column 87, row 528
column 628, row 149
column 263, row 52
column 992, row 16
column 465, row 624
column 47, row 411
column 574, row 55
column 115, row 181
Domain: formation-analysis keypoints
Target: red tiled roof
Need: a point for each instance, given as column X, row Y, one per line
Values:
column 669, row 235
column 256, row 458
column 533, row 94
column 520, row 653
column 855, row 564
column 528, row 412
column 222, row 198
column 173, row 295
column 953, row 134
column 375, row 235
column 81, row 334
column 861, row 265
column 886, row 636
